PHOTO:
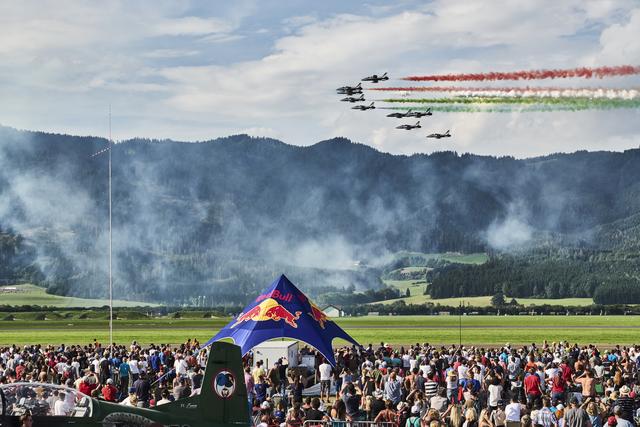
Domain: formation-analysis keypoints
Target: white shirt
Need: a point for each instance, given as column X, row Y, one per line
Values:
column 512, row 411
column 181, row 366
column 325, row 372
column 495, row 391
column 60, row 408
column 133, row 367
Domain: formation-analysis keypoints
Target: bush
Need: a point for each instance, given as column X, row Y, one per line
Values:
column 10, row 318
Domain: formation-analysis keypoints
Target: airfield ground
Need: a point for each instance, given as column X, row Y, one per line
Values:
column 482, row 330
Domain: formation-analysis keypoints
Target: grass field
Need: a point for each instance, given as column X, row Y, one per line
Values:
column 475, row 258
column 416, row 288
column 485, row 330
column 35, row 295
column 484, row 301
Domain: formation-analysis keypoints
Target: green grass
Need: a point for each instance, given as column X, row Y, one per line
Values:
column 486, row 330
column 35, row 295
column 411, row 270
column 484, row 301
column 416, row 287
column 475, row 258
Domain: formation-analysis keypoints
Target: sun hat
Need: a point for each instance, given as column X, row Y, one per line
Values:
column 625, row 390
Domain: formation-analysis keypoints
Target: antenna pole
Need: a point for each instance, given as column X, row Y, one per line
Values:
column 110, row 244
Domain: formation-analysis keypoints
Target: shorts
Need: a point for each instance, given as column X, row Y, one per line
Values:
column 325, row 386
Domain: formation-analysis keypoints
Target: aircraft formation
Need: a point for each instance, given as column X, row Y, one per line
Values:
column 354, row 94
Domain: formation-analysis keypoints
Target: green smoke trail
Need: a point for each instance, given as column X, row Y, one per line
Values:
column 576, row 102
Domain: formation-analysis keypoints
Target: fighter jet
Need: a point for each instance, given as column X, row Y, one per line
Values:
column 375, row 78
column 409, row 127
column 418, row 114
column 439, row 135
column 364, row 107
column 400, row 115
column 350, row 90
column 353, row 99
column 220, row 402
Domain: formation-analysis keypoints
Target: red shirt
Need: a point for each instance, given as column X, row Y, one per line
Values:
column 87, row 388
column 532, row 385
column 558, row 384
column 109, row 392
column 20, row 371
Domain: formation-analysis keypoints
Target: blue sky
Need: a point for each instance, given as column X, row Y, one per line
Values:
column 197, row 70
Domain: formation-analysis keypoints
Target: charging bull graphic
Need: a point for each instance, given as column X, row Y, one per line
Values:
column 269, row 309
column 318, row 315
column 283, row 311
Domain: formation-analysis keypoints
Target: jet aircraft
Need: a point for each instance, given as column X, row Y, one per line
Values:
column 222, row 401
column 364, row 107
column 350, row 90
column 353, row 99
column 400, row 115
column 409, row 127
column 439, row 135
column 418, row 114
column 375, row 78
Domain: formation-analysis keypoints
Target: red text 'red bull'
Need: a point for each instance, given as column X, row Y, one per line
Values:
column 269, row 309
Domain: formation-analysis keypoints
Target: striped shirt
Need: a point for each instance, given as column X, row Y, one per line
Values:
column 430, row 389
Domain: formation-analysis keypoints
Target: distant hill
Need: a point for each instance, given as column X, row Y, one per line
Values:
column 224, row 217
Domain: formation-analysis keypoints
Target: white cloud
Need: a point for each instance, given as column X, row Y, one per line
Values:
column 182, row 90
column 191, row 25
column 621, row 41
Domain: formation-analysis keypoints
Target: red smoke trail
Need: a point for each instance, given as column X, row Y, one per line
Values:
column 489, row 89
column 584, row 72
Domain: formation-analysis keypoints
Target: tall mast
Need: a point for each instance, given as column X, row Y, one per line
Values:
column 110, row 243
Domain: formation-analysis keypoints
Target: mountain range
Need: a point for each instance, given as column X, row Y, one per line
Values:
column 224, row 217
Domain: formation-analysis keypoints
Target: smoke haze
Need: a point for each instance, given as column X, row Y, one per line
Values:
column 224, row 217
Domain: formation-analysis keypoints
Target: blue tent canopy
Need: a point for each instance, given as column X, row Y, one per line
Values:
column 283, row 311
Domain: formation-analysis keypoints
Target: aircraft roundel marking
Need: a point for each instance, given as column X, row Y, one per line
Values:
column 224, row 384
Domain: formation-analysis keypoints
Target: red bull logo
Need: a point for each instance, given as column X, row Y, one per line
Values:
column 269, row 309
column 318, row 315
column 276, row 295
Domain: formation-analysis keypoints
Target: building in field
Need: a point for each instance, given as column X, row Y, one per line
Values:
column 333, row 311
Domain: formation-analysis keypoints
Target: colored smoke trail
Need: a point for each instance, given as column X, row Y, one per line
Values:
column 552, row 92
column 583, row 72
column 536, row 108
column 584, row 103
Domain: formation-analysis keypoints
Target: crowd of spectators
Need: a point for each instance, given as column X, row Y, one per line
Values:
column 551, row 385
column 131, row 375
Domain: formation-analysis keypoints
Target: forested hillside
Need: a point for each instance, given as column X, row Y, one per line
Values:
column 222, row 218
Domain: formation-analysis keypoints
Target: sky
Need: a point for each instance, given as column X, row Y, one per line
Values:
column 198, row 70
